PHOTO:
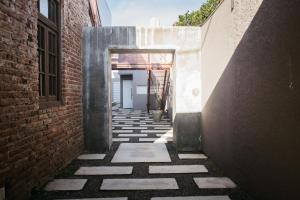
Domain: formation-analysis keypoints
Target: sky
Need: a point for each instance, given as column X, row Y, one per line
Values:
column 140, row 12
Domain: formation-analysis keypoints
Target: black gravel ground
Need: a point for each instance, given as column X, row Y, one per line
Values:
column 140, row 170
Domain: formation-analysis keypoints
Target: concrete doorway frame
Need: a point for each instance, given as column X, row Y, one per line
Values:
column 99, row 42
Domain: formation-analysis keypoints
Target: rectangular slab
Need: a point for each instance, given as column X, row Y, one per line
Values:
column 157, row 125
column 120, row 139
column 113, row 198
column 139, row 184
column 122, row 125
column 124, row 120
column 141, row 152
column 156, row 140
column 132, row 135
column 134, row 128
column 135, row 123
column 214, row 182
column 154, row 131
column 192, row 156
column 91, row 157
column 106, row 170
column 122, row 131
column 177, row 169
column 192, row 198
column 66, row 185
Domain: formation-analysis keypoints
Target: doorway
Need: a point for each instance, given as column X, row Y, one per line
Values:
column 127, row 95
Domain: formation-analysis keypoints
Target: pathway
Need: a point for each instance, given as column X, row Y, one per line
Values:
column 142, row 164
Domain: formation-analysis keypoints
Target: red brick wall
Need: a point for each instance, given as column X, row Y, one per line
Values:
column 35, row 143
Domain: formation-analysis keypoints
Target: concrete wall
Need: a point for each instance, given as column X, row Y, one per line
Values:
column 250, row 65
column 139, row 78
column 96, row 44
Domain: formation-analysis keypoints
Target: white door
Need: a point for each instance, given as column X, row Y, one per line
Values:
column 127, row 94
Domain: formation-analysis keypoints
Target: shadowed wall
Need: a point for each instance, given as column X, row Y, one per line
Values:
column 251, row 117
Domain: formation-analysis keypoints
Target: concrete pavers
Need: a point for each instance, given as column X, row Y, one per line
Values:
column 120, row 139
column 154, row 131
column 66, row 185
column 133, row 135
column 91, row 157
column 191, row 156
column 192, row 198
column 153, row 153
column 113, row 198
column 107, row 170
column 122, row 131
column 134, row 128
column 177, row 169
column 141, row 152
column 156, row 140
column 139, row 184
column 214, row 182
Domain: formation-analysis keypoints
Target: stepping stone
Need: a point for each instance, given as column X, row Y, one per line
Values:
column 139, row 184
column 122, row 131
column 156, row 140
column 136, row 123
column 134, row 128
column 65, row 184
column 141, row 152
column 177, row 169
column 193, row 198
column 154, row 131
column 157, row 125
column 132, row 135
column 124, row 120
column 107, row 170
column 214, row 182
column 122, row 125
column 91, row 157
column 192, row 156
column 120, row 139
column 113, row 198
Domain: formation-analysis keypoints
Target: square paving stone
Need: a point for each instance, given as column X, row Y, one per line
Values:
column 192, row 156
column 141, row 152
column 139, row 184
column 177, row 169
column 65, row 184
column 107, row 170
column 91, row 157
column 214, row 182
column 193, row 198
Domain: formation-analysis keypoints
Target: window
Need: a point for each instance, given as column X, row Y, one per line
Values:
column 48, row 50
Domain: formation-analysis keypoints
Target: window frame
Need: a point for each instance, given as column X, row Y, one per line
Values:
column 51, row 27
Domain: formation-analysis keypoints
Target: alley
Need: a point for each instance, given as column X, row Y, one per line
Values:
column 142, row 164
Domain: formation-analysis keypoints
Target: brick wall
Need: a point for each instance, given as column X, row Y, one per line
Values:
column 35, row 143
